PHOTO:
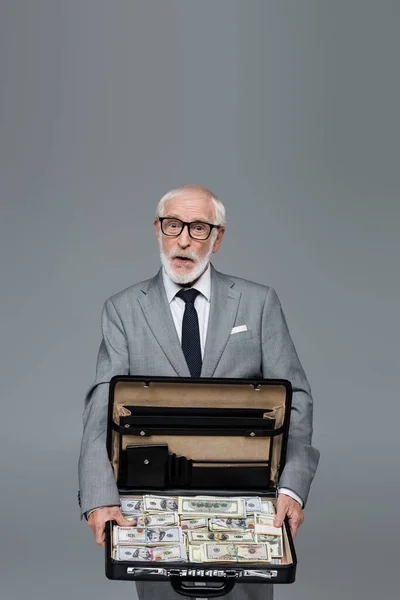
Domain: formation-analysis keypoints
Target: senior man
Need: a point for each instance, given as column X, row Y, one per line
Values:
column 182, row 323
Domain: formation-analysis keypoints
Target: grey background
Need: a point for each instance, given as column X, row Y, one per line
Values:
column 288, row 110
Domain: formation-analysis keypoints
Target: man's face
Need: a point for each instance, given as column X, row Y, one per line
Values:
column 184, row 258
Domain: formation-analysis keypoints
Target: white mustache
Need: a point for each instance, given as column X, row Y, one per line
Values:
column 190, row 255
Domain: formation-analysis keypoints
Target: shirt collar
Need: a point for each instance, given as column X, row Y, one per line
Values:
column 203, row 285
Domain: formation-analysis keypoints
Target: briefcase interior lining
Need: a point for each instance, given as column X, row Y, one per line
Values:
column 270, row 398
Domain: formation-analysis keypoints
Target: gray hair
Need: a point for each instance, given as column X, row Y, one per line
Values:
column 220, row 212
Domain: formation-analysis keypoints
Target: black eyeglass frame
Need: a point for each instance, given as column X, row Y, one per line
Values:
column 211, row 226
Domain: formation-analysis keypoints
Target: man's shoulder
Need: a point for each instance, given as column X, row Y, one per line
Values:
column 133, row 291
column 245, row 285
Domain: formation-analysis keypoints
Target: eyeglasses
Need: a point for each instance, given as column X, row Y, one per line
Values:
column 197, row 229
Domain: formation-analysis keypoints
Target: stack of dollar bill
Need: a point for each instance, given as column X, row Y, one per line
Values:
column 201, row 529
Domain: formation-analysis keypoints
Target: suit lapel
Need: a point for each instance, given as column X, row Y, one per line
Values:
column 223, row 309
column 158, row 315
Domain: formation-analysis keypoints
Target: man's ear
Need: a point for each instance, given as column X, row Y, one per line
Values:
column 218, row 239
column 157, row 228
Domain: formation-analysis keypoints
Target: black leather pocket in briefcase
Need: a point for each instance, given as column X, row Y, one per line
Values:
column 143, row 466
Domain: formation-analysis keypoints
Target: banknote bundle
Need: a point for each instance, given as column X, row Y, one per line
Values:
column 199, row 529
column 243, row 553
column 147, row 536
column 156, row 554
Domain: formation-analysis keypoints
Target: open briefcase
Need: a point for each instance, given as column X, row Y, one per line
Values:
column 196, row 437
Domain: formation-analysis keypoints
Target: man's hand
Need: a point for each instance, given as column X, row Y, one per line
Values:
column 287, row 506
column 98, row 518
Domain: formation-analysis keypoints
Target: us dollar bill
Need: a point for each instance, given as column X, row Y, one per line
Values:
column 267, row 507
column 253, row 505
column 236, row 553
column 176, row 553
column 231, row 524
column 264, row 518
column 132, row 518
column 157, row 519
column 131, row 505
column 197, row 537
column 275, row 543
column 195, row 553
column 200, row 523
column 148, row 536
column 160, row 503
column 210, row 506
column 264, row 524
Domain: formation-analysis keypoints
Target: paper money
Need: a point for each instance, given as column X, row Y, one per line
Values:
column 195, row 554
column 142, row 553
column 275, row 543
column 130, row 506
column 267, row 508
column 157, row 519
column 253, row 505
column 197, row 537
column 204, row 528
column 267, row 521
column 148, row 536
column 201, row 523
column 170, row 553
column 160, row 503
column 264, row 518
column 267, row 529
column 133, row 553
column 230, row 524
column 128, row 535
column 250, row 522
column 236, row 553
column 210, row 506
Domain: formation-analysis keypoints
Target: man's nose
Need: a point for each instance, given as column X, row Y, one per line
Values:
column 184, row 238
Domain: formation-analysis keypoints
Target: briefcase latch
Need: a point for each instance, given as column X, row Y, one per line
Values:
column 262, row 574
column 145, row 571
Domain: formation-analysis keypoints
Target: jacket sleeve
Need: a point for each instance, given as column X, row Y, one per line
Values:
column 280, row 360
column 96, row 479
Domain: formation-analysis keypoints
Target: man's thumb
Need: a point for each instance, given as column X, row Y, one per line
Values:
column 122, row 522
column 279, row 517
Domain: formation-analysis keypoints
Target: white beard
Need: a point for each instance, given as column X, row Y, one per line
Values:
column 198, row 269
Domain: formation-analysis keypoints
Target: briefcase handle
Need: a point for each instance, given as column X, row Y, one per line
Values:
column 206, row 591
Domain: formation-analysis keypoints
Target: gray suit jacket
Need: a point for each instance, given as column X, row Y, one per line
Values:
column 139, row 338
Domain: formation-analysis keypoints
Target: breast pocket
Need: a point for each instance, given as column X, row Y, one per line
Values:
column 240, row 336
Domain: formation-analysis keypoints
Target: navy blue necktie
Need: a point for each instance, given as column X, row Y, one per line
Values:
column 190, row 332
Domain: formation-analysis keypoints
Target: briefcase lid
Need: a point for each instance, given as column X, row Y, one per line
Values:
column 130, row 395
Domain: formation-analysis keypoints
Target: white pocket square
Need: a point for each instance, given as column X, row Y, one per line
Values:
column 239, row 328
